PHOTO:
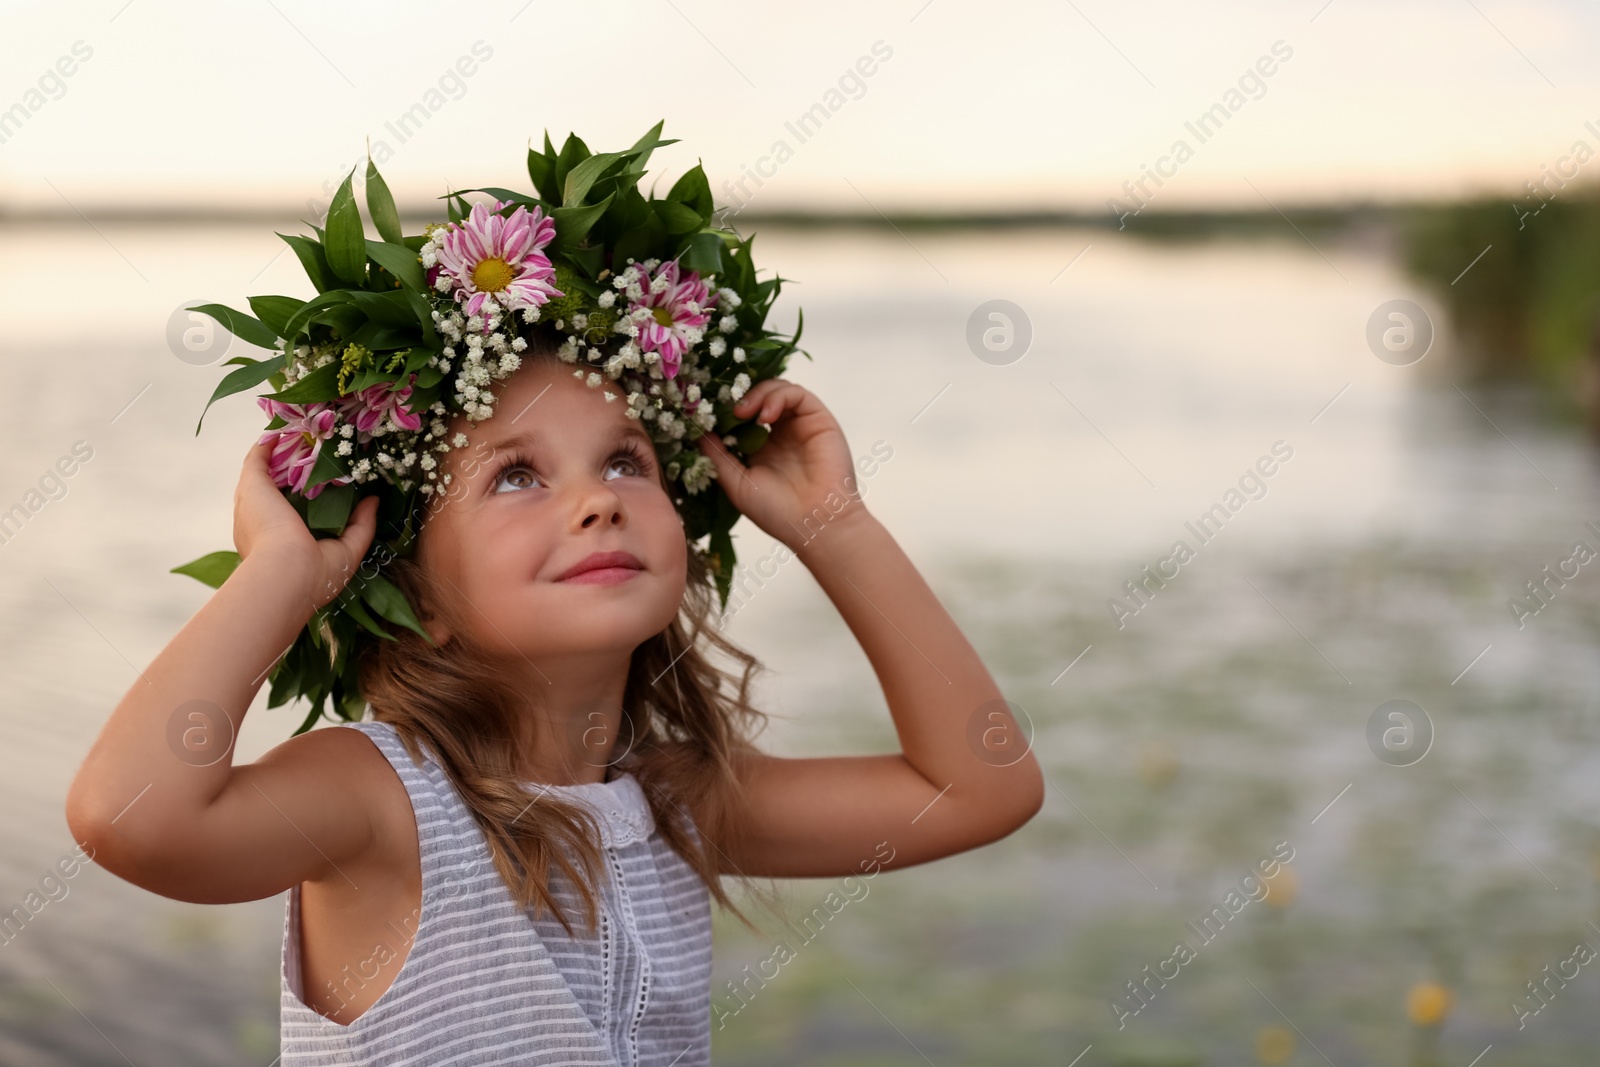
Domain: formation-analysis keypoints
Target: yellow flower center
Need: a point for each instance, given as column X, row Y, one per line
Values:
column 662, row 315
column 492, row 275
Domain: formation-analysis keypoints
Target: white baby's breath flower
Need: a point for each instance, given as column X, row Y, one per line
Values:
column 699, row 472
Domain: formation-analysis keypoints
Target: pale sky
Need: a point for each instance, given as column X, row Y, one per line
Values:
column 1036, row 104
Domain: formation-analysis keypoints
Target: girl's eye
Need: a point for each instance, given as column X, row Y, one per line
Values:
column 516, row 471
column 516, row 474
column 631, row 459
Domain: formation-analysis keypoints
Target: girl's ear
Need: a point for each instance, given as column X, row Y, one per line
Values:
column 437, row 629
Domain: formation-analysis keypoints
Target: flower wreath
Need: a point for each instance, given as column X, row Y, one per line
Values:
column 642, row 293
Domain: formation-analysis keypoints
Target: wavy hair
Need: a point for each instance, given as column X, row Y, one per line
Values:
column 690, row 722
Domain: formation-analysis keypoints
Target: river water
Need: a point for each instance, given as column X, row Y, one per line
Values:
column 1184, row 742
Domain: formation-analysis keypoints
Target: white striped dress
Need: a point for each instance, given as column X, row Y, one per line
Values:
column 486, row 983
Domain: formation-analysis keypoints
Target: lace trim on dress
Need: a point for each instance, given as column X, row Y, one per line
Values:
column 620, row 805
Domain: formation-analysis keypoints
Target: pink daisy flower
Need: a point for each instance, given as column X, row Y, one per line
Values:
column 367, row 409
column 677, row 314
column 489, row 255
column 296, row 444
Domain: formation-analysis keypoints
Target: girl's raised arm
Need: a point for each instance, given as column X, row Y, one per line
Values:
column 964, row 776
column 158, row 798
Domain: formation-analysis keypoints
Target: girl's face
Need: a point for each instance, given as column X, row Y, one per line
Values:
column 556, row 474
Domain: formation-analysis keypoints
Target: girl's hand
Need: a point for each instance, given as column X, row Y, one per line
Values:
column 801, row 477
column 266, row 523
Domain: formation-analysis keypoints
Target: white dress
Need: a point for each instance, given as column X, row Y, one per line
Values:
column 487, row 983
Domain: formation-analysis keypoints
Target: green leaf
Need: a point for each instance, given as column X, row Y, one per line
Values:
column 391, row 308
column 343, row 319
column 640, row 152
column 631, row 210
column 573, row 152
column 274, row 311
column 424, row 315
column 313, row 260
column 351, row 605
column 330, row 509
column 516, row 198
column 367, row 378
column 388, row 601
column 240, row 380
column 213, row 568
column 345, row 243
column 308, row 311
column 349, row 703
column 400, row 261
column 693, row 189
column 640, row 243
column 380, row 205
column 286, row 675
column 720, row 548
column 677, row 218
column 239, row 324
column 582, row 176
column 381, row 338
column 542, row 171
column 751, row 436
column 591, row 259
column 703, row 254
column 327, row 467
column 319, row 385
column 574, row 223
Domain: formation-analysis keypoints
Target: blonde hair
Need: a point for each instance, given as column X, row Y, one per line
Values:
column 690, row 723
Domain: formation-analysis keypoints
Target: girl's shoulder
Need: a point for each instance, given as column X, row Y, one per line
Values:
column 363, row 755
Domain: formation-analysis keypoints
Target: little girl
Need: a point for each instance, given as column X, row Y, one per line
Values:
column 555, row 582
column 561, row 741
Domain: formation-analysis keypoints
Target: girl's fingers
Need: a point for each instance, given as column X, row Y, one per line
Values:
column 363, row 519
column 769, row 399
column 357, row 536
column 755, row 399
